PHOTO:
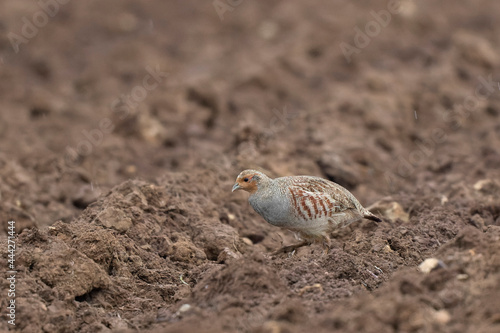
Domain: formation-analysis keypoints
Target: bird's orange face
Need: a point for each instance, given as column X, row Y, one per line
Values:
column 246, row 181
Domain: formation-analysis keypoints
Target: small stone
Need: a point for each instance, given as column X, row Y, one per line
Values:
column 271, row 327
column 227, row 255
column 487, row 186
column 151, row 129
column 231, row 217
column 247, row 241
column 131, row 169
column 315, row 286
column 442, row 317
column 268, row 30
column 389, row 209
column 430, row 264
column 475, row 49
column 387, row 249
column 184, row 308
column 462, row 277
column 407, row 8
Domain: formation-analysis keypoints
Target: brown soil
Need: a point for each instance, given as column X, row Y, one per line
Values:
column 125, row 214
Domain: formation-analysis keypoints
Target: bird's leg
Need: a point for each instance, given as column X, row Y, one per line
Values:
column 326, row 243
column 291, row 248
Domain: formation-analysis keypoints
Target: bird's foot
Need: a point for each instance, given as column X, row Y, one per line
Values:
column 326, row 249
column 326, row 244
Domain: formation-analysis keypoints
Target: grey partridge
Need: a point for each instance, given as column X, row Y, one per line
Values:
column 310, row 206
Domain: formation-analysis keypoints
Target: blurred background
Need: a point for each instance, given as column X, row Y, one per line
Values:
column 391, row 99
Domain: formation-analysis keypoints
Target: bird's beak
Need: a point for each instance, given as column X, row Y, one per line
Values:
column 236, row 187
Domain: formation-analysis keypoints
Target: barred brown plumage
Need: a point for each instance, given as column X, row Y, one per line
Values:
column 311, row 206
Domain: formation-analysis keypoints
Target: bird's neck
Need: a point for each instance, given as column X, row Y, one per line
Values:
column 264, row 188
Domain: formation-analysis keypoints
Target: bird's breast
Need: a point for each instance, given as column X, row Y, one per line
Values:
column 274, row 209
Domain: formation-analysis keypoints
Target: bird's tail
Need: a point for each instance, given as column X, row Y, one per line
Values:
column 368, row 215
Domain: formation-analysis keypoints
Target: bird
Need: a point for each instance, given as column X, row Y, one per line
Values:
column 310, row 206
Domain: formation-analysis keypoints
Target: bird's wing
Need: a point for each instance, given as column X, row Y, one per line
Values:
column 327, row 189
column 311, row 194
column 315, row 198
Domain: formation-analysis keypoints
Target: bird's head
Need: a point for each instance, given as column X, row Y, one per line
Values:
column 249, row 180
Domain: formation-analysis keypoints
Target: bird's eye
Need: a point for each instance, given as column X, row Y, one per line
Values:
column 245, row 180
